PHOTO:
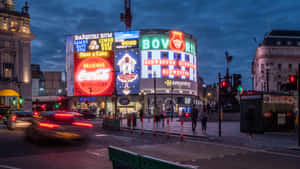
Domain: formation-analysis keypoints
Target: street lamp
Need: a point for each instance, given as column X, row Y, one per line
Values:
column 144, row 94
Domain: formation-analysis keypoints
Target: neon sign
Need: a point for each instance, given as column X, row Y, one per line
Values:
column 80, row 45
column 93, row 76
column 175, row 72
column 168, row 62
column 176, row 41
column 94, row 54
column 106, row 43
column 154, row 42
column 93, row 36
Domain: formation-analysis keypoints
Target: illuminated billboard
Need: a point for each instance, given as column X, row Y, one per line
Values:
column 170, row 58
column 93, row 42
column 93, row 73
column 126, row 66
column 126, row 40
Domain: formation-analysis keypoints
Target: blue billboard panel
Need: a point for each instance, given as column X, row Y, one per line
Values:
column 126, row 40
column 126, row 66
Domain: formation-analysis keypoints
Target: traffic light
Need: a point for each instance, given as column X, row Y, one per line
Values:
column 292, row 82
column 56, row 105
column 237, row 82
column 21, row 100
column 292, row 79
column 43, row 106
column 224, row 84
column 78, row 105
column 14, row 101
column 59, row 98
column 291, row 85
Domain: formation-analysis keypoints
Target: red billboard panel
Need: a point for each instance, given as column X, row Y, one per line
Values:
column 94, row 73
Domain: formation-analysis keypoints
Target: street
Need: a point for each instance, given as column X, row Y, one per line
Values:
column 16, row 153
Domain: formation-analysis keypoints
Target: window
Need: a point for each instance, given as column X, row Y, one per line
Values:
column 289, row 43
column 8, row 71
column 279, row 66
column 262, row 66
column 290, row 66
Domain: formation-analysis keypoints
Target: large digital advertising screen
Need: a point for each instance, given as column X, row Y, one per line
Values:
column 126, row 40
column 127, row 75
column 93, row 64
column 171, row 60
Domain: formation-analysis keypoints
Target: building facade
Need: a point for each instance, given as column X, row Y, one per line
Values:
column 15, row 55
column 277, row 57
column 133, row 70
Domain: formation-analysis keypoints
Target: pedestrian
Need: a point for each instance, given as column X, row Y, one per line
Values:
column 204, row 122
column 194, row 113
column 156, row 116
column 162, row 118
column 250, row 120
column 141, row 113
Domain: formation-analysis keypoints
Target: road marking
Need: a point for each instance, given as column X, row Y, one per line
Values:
column 8, row 167
column 100, row 135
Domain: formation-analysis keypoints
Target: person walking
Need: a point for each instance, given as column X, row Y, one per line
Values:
column 194, row 117
column 250, row 118
column 204, row 119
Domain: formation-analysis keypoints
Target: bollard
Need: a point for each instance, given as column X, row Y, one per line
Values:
column 168, row 128
column 142, row 130
column 121, row 123
column 131, row 124
column 153, row 132
column 181, row 131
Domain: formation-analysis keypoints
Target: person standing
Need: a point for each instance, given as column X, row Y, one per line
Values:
column 204, row 119
column 194, row 117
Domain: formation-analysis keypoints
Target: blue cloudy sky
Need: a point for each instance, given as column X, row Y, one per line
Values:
column 217, row 25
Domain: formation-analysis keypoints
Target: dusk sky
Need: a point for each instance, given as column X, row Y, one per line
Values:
column 218, row 26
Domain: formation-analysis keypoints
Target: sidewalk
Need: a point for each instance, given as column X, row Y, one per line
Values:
column 230, row 133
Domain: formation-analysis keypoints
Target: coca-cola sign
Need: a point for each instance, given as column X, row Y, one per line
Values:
column 93, row 76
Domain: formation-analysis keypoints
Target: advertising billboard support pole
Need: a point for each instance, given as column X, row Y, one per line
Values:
column 154, row 74
column 298, row 104
column 172, row 104
column 219, row 103
column 116, row 95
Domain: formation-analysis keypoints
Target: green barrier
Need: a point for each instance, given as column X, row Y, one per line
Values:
column 111, row 124
column 148, row 162
column 123, row 159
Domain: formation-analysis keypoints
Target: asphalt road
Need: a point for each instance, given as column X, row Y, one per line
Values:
column 16, row 153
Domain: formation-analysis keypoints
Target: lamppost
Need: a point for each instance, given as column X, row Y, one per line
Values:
column 144, row 94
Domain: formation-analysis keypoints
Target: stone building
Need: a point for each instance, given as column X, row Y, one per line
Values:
column 277, row 57
column 15, row 55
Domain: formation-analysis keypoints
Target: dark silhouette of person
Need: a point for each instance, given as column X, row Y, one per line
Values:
column 194, row 113
column 251, row 121
column 204, row 122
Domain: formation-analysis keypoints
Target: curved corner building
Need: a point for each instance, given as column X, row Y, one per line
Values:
column 146, row 68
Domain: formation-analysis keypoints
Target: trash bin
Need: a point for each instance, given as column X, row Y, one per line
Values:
column 129, row 116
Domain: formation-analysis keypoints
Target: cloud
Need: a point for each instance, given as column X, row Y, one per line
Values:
column 217, row 25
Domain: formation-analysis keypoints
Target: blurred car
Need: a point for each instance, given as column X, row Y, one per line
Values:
column 19, row 119
column 3, row 111
column 88, row 114
column 58, row 125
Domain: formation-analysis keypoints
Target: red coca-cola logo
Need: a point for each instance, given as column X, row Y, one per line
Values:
column 94, row 76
